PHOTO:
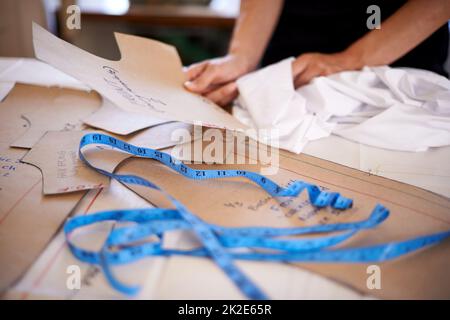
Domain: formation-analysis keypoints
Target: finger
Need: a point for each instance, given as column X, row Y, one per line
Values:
column 204, row 80
column 213, row 87
column 299, row 65
column 224, row 95
column 194, row 70
column 306, row 76
column 227, row 100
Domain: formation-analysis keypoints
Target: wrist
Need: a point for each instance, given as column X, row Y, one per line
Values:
column 353, row 58
column 246, row 60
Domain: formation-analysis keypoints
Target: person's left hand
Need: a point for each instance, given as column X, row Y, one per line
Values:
column 310, row 65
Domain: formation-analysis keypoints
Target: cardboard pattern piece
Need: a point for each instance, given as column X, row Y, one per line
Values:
column 235, row 202
column 28, row 219
column 47, row 278
column 115, row 120
column 56, row 155
column 44, row 109
column 148, row 79
column 12, row 125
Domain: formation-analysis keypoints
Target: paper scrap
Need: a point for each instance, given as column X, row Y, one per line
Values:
column 115, row 120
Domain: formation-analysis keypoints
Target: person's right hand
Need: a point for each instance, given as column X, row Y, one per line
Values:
column 216, row 78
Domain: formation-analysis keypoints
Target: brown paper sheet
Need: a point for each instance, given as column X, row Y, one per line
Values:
column 28, row 219
column 236, row 202
column 29, row 111
column 56, row 155
column 20, row 100
column 12, row 125
column 148, row 79
column 115, row 120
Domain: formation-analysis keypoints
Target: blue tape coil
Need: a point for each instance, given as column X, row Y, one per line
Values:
column 124, row 244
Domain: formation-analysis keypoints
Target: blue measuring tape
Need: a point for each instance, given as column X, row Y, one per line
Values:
column 126, row 244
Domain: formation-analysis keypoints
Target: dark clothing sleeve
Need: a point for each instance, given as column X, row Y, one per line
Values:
column 329, row 26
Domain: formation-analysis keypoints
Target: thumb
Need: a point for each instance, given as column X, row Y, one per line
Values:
column 203, row 81
column 194, row 70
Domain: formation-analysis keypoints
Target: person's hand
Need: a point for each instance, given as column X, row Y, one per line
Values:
column 216, row 78
column 310, row 65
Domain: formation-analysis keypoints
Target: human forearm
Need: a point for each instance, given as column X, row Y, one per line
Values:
column 254, row 27
column 399, row 34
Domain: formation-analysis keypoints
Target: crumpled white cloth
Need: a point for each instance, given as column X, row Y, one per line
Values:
column 394, row 108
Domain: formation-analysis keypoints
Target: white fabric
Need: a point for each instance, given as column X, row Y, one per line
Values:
column 393, row 108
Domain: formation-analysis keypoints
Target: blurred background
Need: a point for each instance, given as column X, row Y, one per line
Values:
column 199, row 29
